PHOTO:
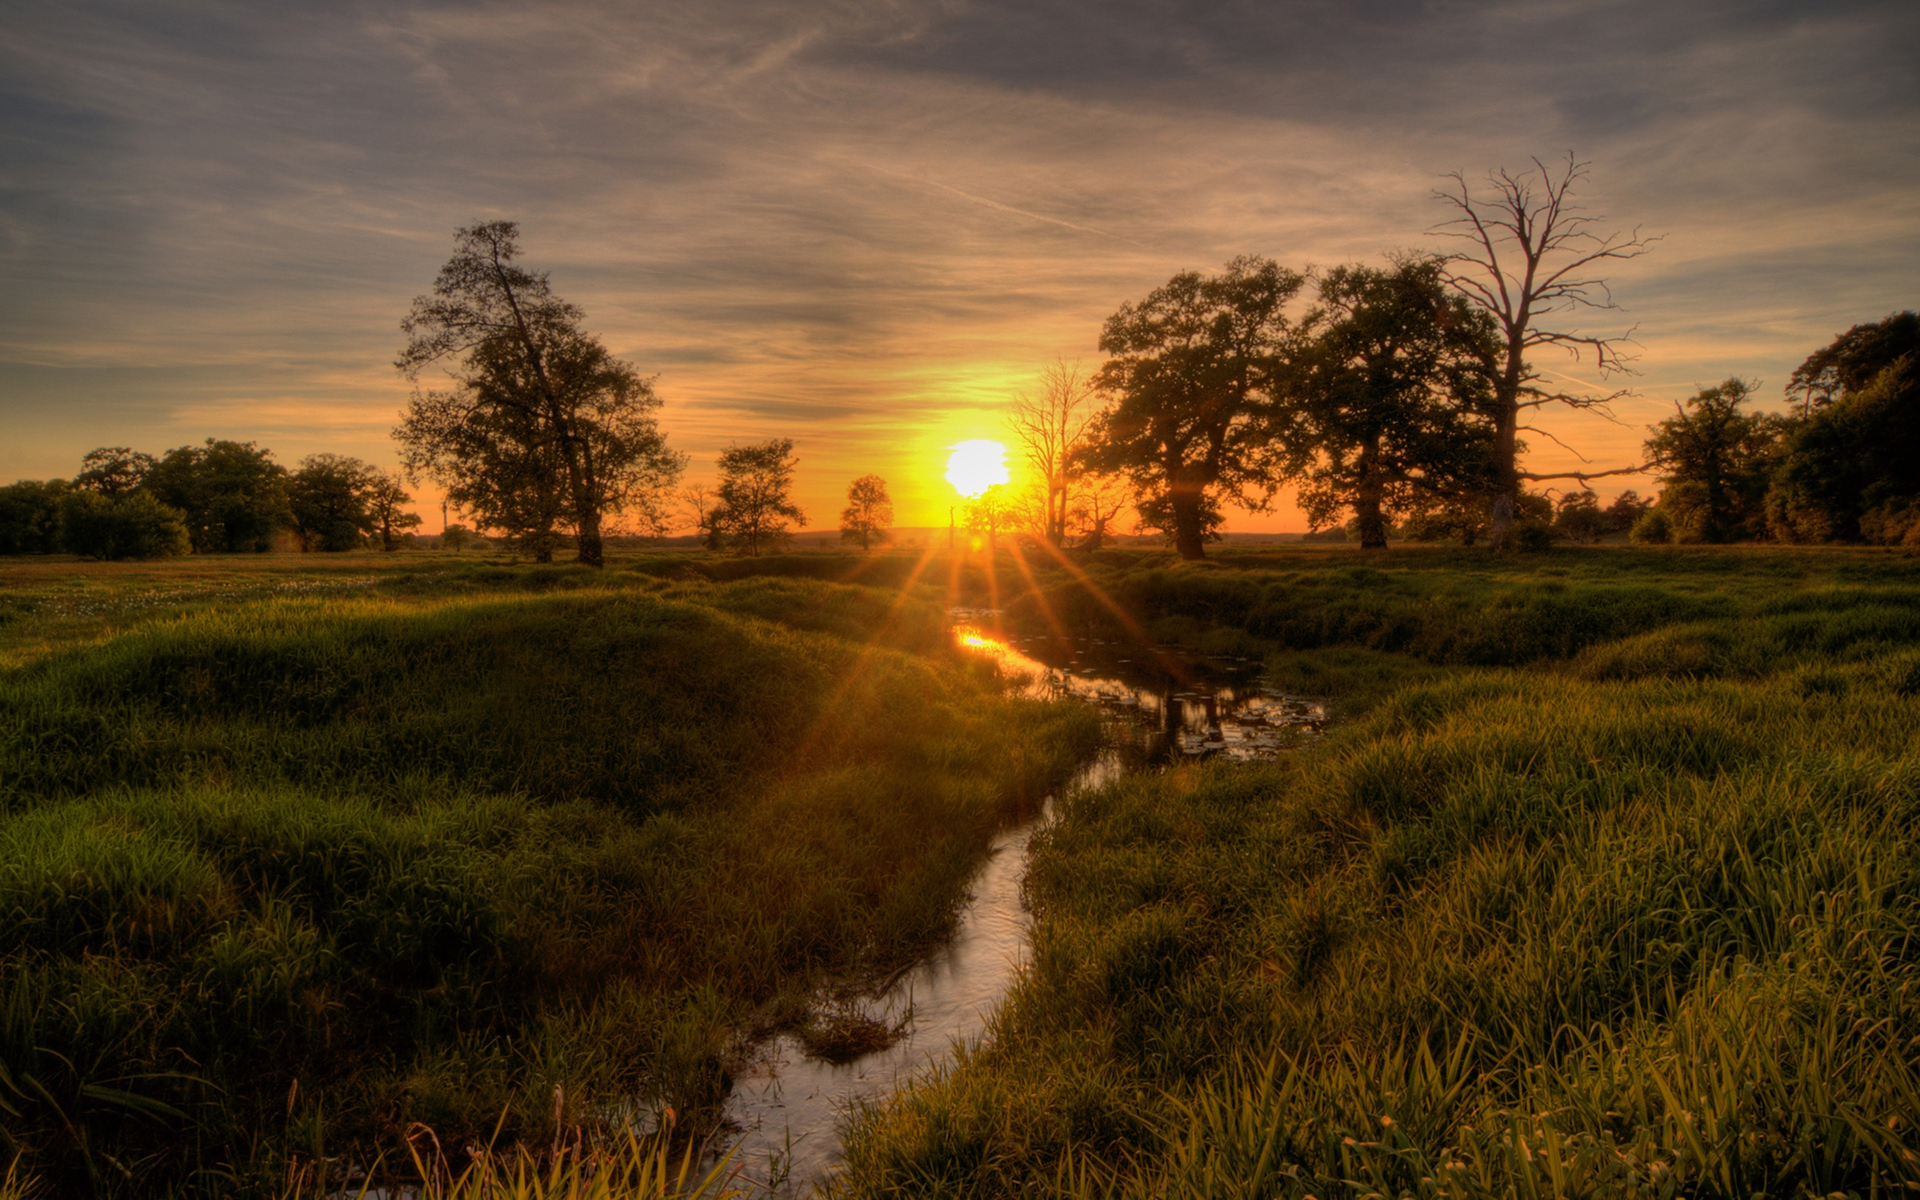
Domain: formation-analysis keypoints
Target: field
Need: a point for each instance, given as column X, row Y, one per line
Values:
column 297, row 858
column 1607, row 887
column 1603, row 883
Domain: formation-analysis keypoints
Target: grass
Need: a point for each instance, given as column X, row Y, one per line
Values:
column 1623, row 902
column 286, row 872
column 1604, row 885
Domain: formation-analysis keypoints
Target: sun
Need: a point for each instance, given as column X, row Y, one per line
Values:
column 976, row 465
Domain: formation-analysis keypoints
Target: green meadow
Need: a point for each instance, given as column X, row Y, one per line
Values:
column 1606, row 885
column 293, row 863
column 1602, row 882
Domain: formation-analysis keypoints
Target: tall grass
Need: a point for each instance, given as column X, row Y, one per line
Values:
column 1631, row 922
column 281, row 880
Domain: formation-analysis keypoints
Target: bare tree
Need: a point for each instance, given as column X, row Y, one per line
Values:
column 1097, row 504
column 1533, row 253
column 1051, row 429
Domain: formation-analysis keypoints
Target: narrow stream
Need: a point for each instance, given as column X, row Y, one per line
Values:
column 1161, row 706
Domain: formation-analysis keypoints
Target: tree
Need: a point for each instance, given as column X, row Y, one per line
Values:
column 1851, row 469
column 328, row 496
column 1098, row 502
column 1578, row 518
column 1532, row 254
column 132, row 525
column 1193, row 418
column 30, row 516
column 1052, row 432
column 1391, row 394
column 1627, row 509
column 1715, row 461
column 1853, row 360
column 754, row 506
column 543, row 422
column 868, row 517
column 232, row 495
column 113, row 471
column 385, row 496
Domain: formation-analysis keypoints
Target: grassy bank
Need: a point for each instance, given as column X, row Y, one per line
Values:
column 287, row 870
column 1608, row 888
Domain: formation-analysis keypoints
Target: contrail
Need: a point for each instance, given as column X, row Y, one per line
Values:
column 1008, row 208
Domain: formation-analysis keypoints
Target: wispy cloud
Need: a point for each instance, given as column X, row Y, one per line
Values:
column 867, row 222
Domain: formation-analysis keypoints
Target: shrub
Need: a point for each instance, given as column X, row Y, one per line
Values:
column 1654, row 528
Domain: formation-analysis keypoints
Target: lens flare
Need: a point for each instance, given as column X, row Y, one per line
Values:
column 976, row 465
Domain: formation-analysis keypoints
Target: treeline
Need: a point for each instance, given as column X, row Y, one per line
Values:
column 220, row 496
column 1843, row 466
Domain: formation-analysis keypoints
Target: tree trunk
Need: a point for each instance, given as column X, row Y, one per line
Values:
column 589, row 537
column 1366, row 499
column 1506, row 428
column 1187, row 538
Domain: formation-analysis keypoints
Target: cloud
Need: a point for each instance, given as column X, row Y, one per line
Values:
column 868, row 222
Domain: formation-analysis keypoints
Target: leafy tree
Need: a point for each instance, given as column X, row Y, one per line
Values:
column 329, row 499
column 1052, row 432
column 132, row 525
column 113, row 471
column 30, row 516
column 1194, row 412
column 1577, row 517
column 1532, row 254
column 1715, row 461
column 232, row 495
column 1852, row 361
column 1852, row 468
column 754, row 502
column 868, row 517
column 1626, row 509
column 543, row 425
column 1392, row 395
column 385, row 497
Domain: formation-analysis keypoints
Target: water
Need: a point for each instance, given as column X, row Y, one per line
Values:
column 1161, row 707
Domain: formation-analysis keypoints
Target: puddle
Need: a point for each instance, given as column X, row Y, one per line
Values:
column 1162, row 706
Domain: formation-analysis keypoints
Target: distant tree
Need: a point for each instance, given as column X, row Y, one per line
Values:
column 755, row 505
column 1627, row 508
column 31, row 516
column 1193, row 416
column 868, row 517
column 1714, row 462
column 1853, row 360
column 386, row 496
column 329, row 498
column 113, row 471
column 539, row 406
column 232, row 495
column 457, row 538
column 1577, row 517
column 700, row 509
column 1532, row 254
column 132, row 525
column 1392, row 395
column 1051, row 429
column 1098, row 501
column 997, row 509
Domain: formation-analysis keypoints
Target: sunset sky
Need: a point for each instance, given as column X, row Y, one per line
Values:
column 868, row 224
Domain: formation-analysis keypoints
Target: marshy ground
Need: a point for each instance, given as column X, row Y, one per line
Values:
column 1601, row 882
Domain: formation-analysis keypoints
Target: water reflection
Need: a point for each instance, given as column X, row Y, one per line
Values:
column 1177, row 706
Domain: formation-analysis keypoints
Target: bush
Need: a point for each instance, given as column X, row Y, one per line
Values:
column 1654, row 528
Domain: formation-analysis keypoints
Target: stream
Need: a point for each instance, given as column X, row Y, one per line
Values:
column 1160, row 706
